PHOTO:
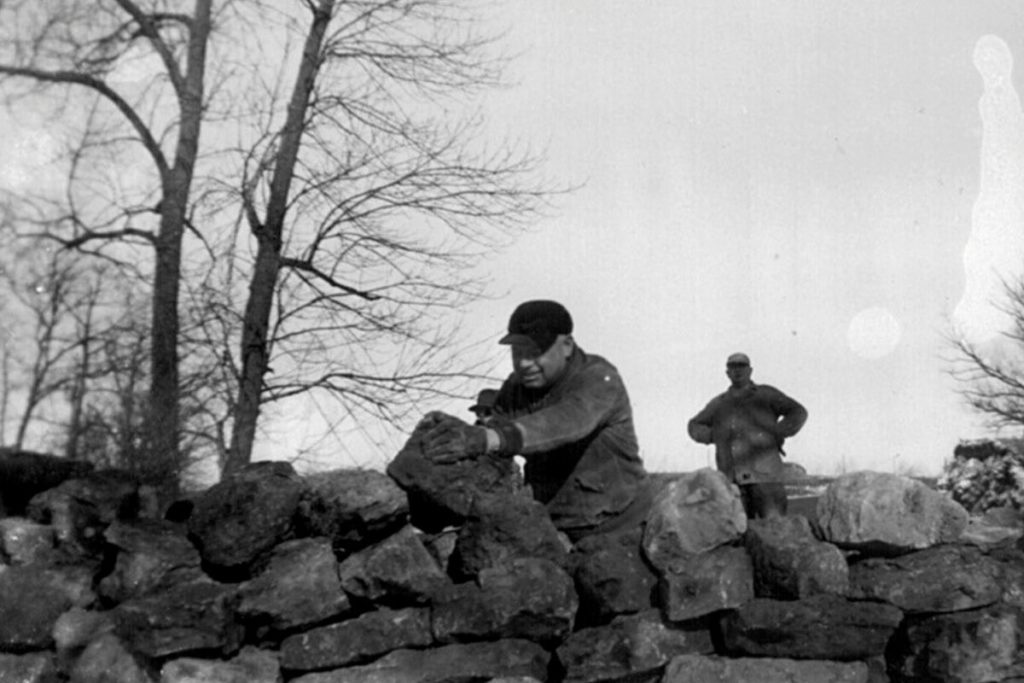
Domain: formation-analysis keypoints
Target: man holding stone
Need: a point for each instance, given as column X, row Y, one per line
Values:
column 568, row 414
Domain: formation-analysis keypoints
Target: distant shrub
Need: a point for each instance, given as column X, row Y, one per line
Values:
column 986, row 474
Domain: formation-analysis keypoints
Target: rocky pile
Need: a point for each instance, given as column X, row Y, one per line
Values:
column 986, row 475
column 453, row 574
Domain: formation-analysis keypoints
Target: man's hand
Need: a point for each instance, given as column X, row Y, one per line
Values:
column 452, row 440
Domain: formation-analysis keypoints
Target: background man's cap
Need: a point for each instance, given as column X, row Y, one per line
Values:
column 539, row 322
column 738, row 359
column 485, row 400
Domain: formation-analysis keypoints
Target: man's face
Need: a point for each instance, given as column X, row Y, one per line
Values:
column 537, row 369
column 738, row 373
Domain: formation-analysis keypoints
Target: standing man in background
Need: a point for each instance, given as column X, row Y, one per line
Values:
column 748, row 425
column 568, row 414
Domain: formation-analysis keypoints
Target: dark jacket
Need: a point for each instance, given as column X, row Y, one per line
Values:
column 747, row 427
column 582, row 458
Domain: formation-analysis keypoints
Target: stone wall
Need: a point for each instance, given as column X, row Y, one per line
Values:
column 453, row 574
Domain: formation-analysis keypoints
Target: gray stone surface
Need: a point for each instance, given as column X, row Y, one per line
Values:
column 299, row 586
column 252, row 665
column 182, row 619
column 819, row 627
column 694, row 513
column 357, row 640
column 528, row 598
column 150, row 553
column 501, row 527
column 612, row 577
column 23, row 541
column 627, row 648
column 940, row 579
column 976, row 646
column 352, row 507
column 236, row 522
column 880, row 513
column 37, row 667
column 32, row 599
column 457, row 663
column 702, row 669
column 790, row 563
column 697, row 585
column 398, row 569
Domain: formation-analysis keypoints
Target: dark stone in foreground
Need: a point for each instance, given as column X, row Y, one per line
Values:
column 819, row 627
column 449, row 664
column 238, row 521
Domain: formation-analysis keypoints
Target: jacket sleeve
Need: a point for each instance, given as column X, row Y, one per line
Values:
column 594, row 400
column 792, row 413
column 700, row 425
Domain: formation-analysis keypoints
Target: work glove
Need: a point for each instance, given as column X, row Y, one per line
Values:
column 450, row 440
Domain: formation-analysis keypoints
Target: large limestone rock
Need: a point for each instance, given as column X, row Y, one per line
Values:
column 455, row 663
column 252, row 665
column 612, row 577
column 352, row 507
column 790, row 563
column 23, row 541
column 23, row 474
column 696, row 585
column 702, row 669
column 150, row 553
column 300, row 586
column 236, row 522
column 37, row 667
column 398, row 570
column 357, row 640
column 107, row 659
column 441, row 495
column 941, row 579
column 75, row 629
column 879, row 513
column 527, row 598
column 627, row 648
column 976, row 646
column 819, row 627
column 692, row 514
column 191, row 617
column 79, row 510
column 32, row 599
column 500, row 528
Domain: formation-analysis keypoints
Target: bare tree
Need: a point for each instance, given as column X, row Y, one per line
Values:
column 991, row 375
column 61, row 47
column 50, row 290
column 367, row 206
column 317, row 243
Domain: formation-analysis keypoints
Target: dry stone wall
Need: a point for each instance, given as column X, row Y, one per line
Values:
column 452, row 574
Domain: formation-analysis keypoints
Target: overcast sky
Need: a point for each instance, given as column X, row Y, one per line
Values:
column 795, row 180
column 798, row 180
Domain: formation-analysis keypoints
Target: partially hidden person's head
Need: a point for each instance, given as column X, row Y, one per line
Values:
column 484, row 406
column 540, row 334
column 737, row 368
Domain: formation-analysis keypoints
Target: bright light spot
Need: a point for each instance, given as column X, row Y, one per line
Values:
column 874, row 332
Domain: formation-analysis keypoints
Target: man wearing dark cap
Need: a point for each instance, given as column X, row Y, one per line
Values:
column 748, row 424
column 568, row 414
column 484, row 406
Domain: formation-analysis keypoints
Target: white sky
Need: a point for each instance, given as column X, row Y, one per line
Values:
column 795, row 180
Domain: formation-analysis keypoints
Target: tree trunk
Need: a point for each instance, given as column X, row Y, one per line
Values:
column 163, row 423
column 255, row 327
